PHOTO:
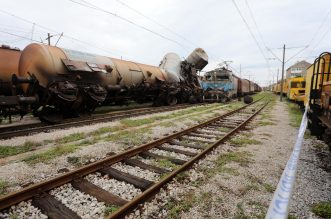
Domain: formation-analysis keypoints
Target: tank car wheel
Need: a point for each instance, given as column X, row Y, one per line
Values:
column 171, row 100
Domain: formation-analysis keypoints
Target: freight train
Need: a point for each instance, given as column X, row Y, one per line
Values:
column 221, row 85
column 54, row 82
column 313, row 90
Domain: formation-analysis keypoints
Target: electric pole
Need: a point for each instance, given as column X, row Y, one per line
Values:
column 240, row 70
column 277, row 75
column 282, row 83
column 49, row 38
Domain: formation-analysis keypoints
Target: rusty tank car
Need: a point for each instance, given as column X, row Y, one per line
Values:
column 9, row 59
column 59, row 83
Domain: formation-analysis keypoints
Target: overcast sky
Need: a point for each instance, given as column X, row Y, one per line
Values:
column 214, row 25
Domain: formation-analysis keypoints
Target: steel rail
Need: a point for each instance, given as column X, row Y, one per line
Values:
column 15, row 131
column 38, row 188
column 122, row 211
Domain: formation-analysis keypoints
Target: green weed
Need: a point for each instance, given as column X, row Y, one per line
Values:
column 3, row 186
column 6, row 151
column 50, row 154
column 71, row 138
column 322, row 209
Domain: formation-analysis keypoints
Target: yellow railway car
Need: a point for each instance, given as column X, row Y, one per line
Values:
column 309, row 74
column 296, row 88
column 285, row 87
column 319, row 88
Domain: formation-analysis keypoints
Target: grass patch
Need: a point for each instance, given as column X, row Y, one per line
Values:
column 257, row 206
column 85, row 142
column 242, row 141
column 269, row 188
column 110, row 209
column 3, row 186
column 50, row 154
column 240, row 214
column 165, row 164
column 295, row 114
column 223, row 129
column 190, row 200
column 247, row 188
column 74, row 160
column 264, row 123
column 105, row 130
column 229, row 170
column 242, row 158
column 322, row 209
column 6, row 151
column 266, row 116
column 136, row 122
column 175, row 208
column 167, row 124
column 129, row 137
column 71, row 138
column 182, row 176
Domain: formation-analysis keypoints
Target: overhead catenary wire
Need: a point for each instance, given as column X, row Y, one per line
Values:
column 297, row 53
column 318, row 29
column 155, row 22
column 20, row 36
column 212, row 56
column 259, row 33
column 94, row 7
column 251, row 33
column 92, row 45
column 255, row 23
column 321, row 39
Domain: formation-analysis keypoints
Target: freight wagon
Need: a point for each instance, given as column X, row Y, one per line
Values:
column 58, row 82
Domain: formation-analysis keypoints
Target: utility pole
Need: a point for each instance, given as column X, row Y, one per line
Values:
column 59, row 38
column 49, row 38
column 240, row 70
column 277, row 75
column 282, row 82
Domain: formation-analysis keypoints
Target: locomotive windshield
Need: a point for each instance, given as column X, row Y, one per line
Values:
column 298, row 84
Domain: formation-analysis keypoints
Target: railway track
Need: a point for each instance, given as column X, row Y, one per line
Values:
column 21, row 130
column 137, row 168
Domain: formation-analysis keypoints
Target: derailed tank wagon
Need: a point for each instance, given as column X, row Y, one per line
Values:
column 60, row 83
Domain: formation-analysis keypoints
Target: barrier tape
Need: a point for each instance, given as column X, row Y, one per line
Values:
column 279, row 205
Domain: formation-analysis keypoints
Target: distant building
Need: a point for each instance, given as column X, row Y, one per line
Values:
column 299, row 69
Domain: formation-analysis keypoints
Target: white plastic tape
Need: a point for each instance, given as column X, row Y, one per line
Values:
column 279, row 206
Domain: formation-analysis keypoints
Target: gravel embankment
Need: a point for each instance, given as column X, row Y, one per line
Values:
column 313, row 182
